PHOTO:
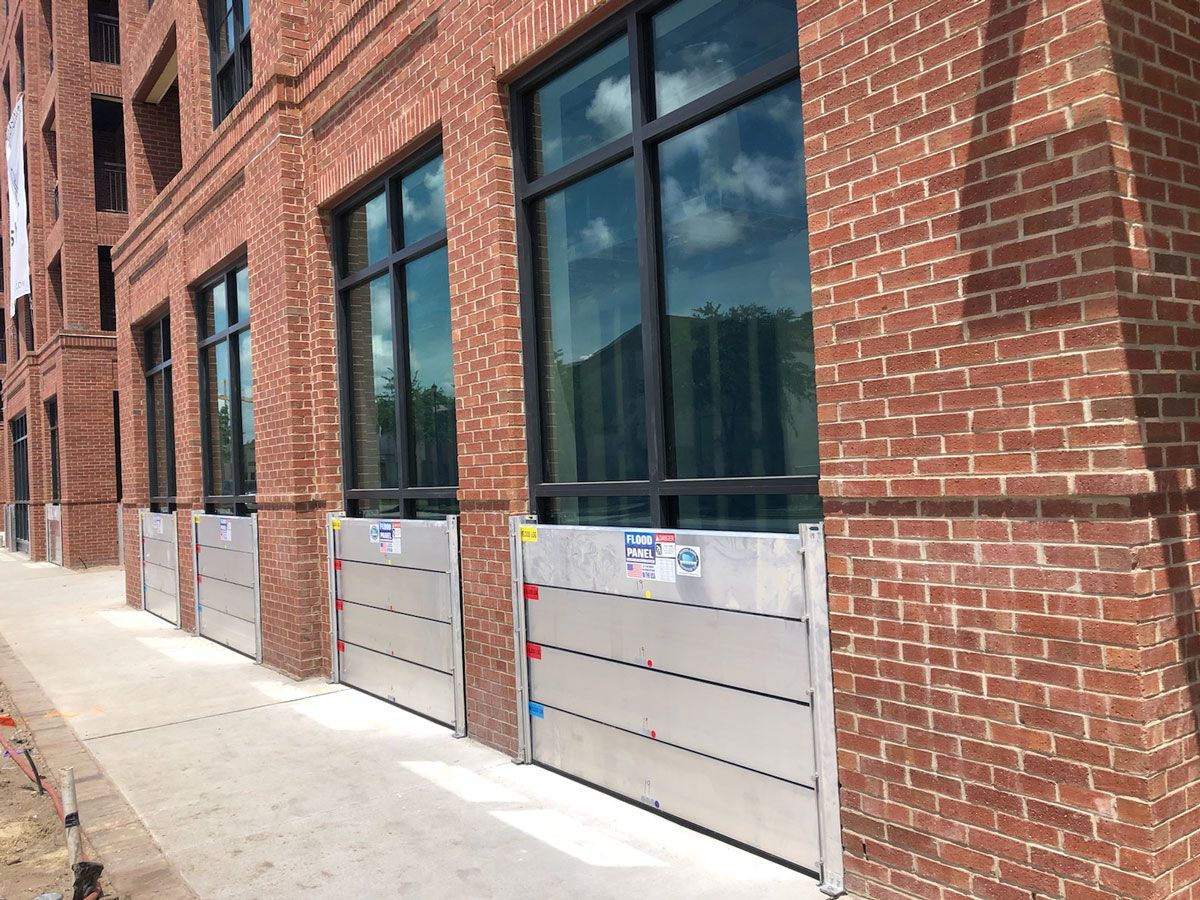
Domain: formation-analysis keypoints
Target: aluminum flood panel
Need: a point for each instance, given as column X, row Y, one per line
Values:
column 397, row 613
column 421, row 641
column 425, row 691
column 774, row 816
column 745, row 572
column 228, row 565
column 757, row 653
column 416, row 592
column 735, row 726
column 226, row 532
column 418, row 544
column 236, row 634
column 232, row 599
column 158, row 539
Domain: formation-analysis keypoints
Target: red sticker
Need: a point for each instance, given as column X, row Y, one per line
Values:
column 337, row 565
column 339, row 605
column 197, row 548
column 531, row 592
column 654, row 734
column 533, row 651
column 197, row 579
column 650, row 663
column 341, row 647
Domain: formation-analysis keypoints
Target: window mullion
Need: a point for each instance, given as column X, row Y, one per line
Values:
column 643, row 179
column 168, row 413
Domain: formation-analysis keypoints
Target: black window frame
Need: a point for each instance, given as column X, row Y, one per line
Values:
column 405, row 495
column 19, row 435
column 163, row 501
column 646, row 133
column 55, row 463
column 238, row 59
column 240, row 502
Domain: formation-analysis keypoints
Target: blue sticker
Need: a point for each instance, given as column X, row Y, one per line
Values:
column 537, row 710
column 386, row 531
column 639, row 546
column 688, row 560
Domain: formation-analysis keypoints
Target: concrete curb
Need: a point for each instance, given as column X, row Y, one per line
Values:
column 134, row 864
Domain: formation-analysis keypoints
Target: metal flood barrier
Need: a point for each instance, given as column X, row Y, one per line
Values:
column 397, row 613
column 10, row 527
column 688, row 671
column 54, row 548
column 158, row 538
column 227, row 599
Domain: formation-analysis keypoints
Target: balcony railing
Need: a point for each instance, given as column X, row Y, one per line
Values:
column 110, row 187
column 104, row 35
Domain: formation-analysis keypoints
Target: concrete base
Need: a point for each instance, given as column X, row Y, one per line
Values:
column 257, row 786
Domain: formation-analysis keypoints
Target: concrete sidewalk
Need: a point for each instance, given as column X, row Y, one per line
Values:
column 256, row 786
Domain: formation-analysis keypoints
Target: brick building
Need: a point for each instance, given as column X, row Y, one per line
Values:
column 604, row 277
column 61, row 448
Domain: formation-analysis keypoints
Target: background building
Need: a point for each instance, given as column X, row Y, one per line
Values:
column 996, row 230
column 61, row 447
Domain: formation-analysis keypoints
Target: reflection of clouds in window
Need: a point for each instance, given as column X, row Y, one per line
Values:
column 704, row 69
column 611, row 107
column 594, row 238
column 697, row 225
column 424, row 195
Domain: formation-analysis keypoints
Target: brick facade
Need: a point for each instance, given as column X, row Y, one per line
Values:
column 72, row 359
column 1003, row 221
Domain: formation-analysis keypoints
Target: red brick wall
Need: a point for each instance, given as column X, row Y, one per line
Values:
column 1003, row 258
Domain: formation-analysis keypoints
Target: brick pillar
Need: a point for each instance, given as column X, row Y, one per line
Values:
column 487, row 358
column 1011, row 604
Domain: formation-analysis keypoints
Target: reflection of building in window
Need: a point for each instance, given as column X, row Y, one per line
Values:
column 667, row 232
column 229, row 51
column 160, row 414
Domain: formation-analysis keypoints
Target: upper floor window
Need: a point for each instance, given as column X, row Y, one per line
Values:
column 229, row 49
column 160, row 414
column 666, row 287
column 400, row 447
column 226, row 393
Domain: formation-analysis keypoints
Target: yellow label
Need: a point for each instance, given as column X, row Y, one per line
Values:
column 196, row 520
column 528, row 534
column 337, row 524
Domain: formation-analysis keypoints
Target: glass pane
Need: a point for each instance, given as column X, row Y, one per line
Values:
column 154, row 354
column 245, row 371
column 423, row 194
column 585, row 107
column 435, row 509
column 775, row 513
column 167, row 483
column 372, row 384
column 615, row 511
column 589, row 311
column 245, row 15
column 220, row 428
column 700, row 45
column 738, row 332
column 365, row 234
column 158, row 417
column 380, row 509
column 242, row 286
column 165, row 328
column 431, row 371
column 216, row 309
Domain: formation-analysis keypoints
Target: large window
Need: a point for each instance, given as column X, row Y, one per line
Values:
column 665, row 276
column 398, row 426
column 226, row 393
column 160, row 415
column 229, row 50
column 55, row 465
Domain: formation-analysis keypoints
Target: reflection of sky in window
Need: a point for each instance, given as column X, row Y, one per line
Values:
column 219, row 310
column 583, row 108
column 242, row 279
column 700, row 45
column 591, row 253
column 423, row 194
column 377, row 230
column 427, row 281
column 734, row 212
column 381, row 334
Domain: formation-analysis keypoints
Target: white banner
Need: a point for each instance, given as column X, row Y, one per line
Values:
column 18, row 211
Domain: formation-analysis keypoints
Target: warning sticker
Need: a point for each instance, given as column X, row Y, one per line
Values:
column 158, row 525
column 226, row 530
column 389, row 537
column 650, row 555
column 529, row 534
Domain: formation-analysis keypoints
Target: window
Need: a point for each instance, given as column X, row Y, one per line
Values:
column 52, row 426
column 107, row 289
column 398, row 432
column 229, row 50
column 665, row 278
column 160, row 414
column 226, row 393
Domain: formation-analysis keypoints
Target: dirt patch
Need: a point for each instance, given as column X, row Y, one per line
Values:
column 33, row 852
